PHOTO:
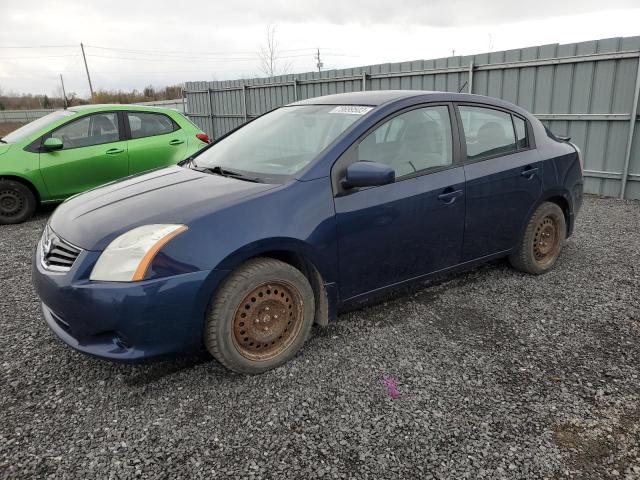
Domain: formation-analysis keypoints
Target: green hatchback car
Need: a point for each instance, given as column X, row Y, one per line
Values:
column 73, row 150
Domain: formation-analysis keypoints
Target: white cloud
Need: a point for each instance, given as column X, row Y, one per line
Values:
column 348, row 33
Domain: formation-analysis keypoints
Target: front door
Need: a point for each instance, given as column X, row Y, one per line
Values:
column 504, row 179
column 392, row 233
column 93, row 153
column 156, row 141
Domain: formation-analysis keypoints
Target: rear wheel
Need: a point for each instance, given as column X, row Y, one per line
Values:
column 260, row 317
column 542, row 240
column 17, row 202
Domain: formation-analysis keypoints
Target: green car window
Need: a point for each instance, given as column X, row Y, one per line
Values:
column 90, row 130
column 149, row 124
column 34, row 127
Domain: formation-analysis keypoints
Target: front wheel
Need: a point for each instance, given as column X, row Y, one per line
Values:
column 260, row 317
column 542, row 240
column 17, row 202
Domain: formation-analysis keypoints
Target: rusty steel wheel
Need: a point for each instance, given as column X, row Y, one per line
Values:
column 268, row 320
column 541, row 243
column 546, row 240
column 260, row 316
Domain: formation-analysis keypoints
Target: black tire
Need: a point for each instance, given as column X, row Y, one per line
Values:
column 17, row 202
column 260, row 317
column 542, row 240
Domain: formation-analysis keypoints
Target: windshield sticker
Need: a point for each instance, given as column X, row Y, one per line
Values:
column 351, row 109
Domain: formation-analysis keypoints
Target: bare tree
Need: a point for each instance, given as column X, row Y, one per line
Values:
column 270, row 58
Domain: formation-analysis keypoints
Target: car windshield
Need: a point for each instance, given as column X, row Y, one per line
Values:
column 282, row 142
column 29, row 129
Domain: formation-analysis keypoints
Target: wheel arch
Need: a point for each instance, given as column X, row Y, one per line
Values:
column 562, row 199
column 26, row 183
column 297, row 254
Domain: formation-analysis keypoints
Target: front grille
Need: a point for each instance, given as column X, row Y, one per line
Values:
column 57, row 254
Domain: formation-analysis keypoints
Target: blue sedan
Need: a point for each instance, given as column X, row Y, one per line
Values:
column 296, row 215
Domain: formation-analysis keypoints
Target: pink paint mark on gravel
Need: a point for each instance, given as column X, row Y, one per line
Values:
column 391, row 386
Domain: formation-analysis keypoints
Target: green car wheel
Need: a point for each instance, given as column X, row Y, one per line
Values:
column 17, row 202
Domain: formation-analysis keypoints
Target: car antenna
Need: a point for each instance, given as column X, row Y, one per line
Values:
column 463, row 85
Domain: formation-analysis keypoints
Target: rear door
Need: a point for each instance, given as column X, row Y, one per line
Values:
column 392, row 233
column 504, row 178
column 155, row 140
column 94, row 152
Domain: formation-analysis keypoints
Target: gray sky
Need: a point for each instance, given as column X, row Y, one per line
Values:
column 132, row 43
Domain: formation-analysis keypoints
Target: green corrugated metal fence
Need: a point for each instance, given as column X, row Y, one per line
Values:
column 586, row 90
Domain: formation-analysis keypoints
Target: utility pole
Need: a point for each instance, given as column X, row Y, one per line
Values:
column 319, row 64
column 87, row 69
column 64, row 94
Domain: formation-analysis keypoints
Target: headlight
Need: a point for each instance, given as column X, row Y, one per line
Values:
column 127, row 258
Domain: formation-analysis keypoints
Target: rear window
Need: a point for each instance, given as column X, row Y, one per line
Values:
column 521, row 132
column 150, row 124
column 34, row 127
column 489, row 132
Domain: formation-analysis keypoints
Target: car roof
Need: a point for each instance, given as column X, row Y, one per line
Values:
column 381, row 97
column 371, row 98
column 118, row 106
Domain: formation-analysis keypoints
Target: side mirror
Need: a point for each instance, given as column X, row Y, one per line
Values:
column 51, row 144
column 368, row 174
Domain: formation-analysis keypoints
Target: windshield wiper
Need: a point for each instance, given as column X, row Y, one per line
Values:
column 225, row 172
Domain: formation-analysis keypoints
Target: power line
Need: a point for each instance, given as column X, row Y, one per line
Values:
column 203, row 59
column 40, row 46
column 176, row 59
column 36, row 57
column 169, row 52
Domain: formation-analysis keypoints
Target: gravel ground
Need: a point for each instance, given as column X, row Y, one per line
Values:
column 497, row 375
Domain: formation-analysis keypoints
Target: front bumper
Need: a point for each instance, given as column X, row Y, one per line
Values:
column 121, row 321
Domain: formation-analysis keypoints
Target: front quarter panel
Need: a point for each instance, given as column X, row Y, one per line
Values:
column 298, row 217
column 24, row 165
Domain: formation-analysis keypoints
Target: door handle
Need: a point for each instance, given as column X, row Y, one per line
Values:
column 449, row 195
column 176, row 142
column 113, row 151
column 529, row 172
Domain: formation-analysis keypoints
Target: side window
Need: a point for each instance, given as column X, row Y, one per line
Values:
column 487, row 132
column 521, row 132
column 149, row 124
column 93, row 129
column 411, row 142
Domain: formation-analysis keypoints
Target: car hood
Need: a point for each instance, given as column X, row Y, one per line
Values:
column 170, row 195
column 4, row 147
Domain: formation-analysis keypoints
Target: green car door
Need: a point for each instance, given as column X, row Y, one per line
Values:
column 155, row 140
column 93, row 152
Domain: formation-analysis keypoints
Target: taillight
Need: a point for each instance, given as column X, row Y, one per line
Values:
column 203, row 137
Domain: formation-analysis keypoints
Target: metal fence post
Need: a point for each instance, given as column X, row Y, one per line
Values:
column 295, row 89
column 364, row 82
column 632, row 125
column 213, row 120
column 244, row 101
column 471, row 76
